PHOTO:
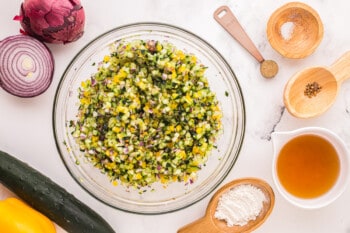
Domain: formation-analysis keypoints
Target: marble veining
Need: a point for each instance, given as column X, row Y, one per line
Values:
column 26, row 124
column 277, row 119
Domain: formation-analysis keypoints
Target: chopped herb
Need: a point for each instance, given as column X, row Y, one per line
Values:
column 226, row 93
column 71, row 123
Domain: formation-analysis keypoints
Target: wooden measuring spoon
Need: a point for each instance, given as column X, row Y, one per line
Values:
column 224, row 16
column 328, row 80
column 209, row 224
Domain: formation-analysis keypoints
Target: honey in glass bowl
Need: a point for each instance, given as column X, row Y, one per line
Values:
column 308, row 166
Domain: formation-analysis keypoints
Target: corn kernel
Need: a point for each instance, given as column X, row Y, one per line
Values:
column 143, row 164
column 141, row 85
column 83, row 84
column 159, row 47
column 195, row 150
column 199, row 130
column 116, row 129
column 163, row 179
column 173, row 74
column 85, row 101
column 182, row 68
column 188, row 99
column 138, row 176
column 106, row 59
column 181, row 154
column 193, row 59
column 186, row 177
column 178, row 128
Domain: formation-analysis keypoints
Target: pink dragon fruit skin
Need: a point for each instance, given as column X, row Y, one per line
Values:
column 53, row 21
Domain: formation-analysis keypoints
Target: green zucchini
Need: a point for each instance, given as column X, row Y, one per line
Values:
column 49, row 198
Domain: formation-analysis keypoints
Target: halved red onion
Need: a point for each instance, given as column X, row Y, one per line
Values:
column 26, row 66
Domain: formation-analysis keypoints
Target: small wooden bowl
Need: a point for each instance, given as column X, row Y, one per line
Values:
column 209, row 224
column 295, row 30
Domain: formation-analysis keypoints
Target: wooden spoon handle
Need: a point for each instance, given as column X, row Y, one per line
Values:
column 341, row 68
column 202, row 225
column 224, row 16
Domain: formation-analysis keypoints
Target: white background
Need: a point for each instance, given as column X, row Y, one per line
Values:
column 26, row 124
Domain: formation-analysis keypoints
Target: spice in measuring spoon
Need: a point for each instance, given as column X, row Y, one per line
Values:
column 268, row 68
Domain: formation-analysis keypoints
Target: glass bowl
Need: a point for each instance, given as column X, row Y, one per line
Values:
column 176, row 195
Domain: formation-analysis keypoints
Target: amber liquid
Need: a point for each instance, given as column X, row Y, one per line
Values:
column 308, row 166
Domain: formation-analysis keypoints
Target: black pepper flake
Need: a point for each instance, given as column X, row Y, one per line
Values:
column 312, row 89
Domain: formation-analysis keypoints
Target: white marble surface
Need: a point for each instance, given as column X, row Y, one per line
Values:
column 26, row 124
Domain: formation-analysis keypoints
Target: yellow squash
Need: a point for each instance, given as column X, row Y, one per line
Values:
column 17, row 217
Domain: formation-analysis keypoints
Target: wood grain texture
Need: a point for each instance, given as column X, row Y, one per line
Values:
column 307, row 31
column 209, row 224
column 329, row 79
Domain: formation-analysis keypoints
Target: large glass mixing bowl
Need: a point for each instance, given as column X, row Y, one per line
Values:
column 176, row 195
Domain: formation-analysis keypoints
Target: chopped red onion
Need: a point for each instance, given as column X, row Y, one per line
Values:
column 26, row 66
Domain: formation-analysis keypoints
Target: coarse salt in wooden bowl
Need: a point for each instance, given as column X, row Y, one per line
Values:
column 295, row 30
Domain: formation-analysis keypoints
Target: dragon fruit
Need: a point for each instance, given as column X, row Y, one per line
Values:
column 53, row 21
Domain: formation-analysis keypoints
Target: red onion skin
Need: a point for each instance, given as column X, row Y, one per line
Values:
column 53, row 21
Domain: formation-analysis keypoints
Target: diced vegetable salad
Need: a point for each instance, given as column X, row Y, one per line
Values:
column 147, row 115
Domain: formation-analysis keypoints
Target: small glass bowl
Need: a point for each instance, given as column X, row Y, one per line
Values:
column 176, row 195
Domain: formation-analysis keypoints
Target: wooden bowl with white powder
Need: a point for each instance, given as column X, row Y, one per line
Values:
column 239, row 206
column 295, row 30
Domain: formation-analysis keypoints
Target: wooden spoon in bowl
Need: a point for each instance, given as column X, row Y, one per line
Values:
column 303, row 102
column 209, row 224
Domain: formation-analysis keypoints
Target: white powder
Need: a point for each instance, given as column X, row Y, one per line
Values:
column 240, row 205
column 287, row 30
